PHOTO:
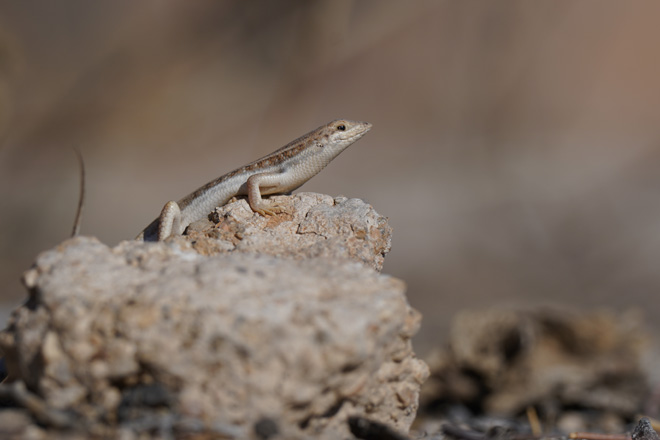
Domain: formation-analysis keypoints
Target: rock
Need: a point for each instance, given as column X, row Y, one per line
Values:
column 644, row 431
column 315, row 225
column 572, row 421
column 506, row 360
column 160, row 338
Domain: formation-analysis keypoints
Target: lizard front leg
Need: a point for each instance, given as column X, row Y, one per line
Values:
column 264, row 181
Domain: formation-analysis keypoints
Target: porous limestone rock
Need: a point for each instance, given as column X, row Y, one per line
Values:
column 156, row 338
column 314, row 225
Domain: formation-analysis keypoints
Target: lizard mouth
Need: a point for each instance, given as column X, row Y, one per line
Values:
column 359, row 130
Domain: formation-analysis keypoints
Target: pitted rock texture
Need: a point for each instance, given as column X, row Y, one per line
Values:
column 154, row 338
column 314, row 225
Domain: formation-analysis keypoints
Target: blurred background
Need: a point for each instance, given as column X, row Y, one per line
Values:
column 515, row 148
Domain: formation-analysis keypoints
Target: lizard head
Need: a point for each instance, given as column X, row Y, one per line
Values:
column 337, row 135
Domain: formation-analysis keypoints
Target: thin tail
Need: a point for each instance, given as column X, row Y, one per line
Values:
column 81, row 197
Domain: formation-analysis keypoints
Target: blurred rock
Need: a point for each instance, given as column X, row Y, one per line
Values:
column 503, row 361
column 156, row 339
column 644, row 431
column 572, row 421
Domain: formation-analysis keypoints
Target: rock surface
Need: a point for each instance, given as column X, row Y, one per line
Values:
column 208, row 335
column 506, row 360
column 315, row 225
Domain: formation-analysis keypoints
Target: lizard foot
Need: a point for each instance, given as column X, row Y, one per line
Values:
column 269, row 209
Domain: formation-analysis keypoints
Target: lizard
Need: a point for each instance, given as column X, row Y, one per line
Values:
column 280, row 172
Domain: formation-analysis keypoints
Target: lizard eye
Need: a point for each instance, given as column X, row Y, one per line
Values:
column 341, row 127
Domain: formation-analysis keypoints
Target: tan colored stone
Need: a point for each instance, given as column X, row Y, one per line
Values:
column 293, row 325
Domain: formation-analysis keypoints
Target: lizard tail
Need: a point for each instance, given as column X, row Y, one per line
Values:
column 81, row 196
